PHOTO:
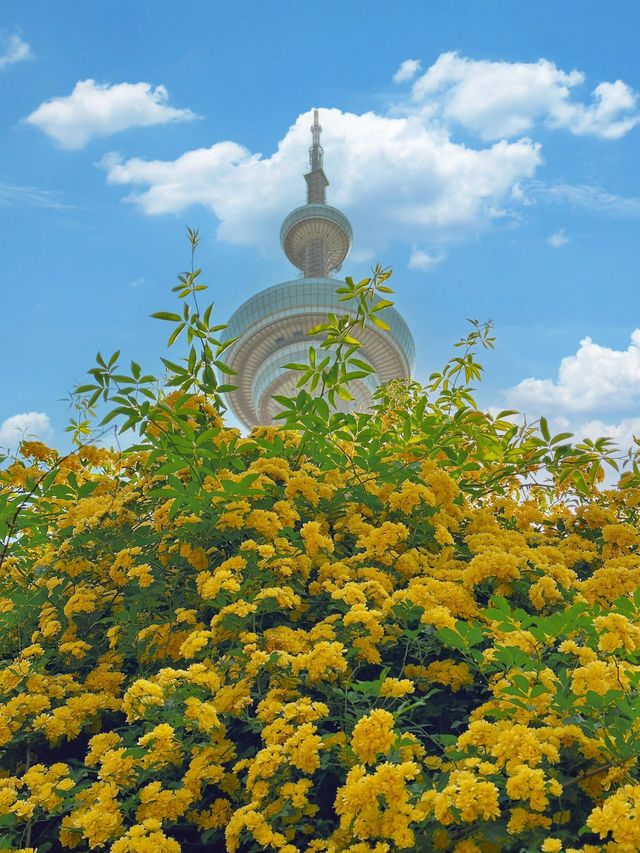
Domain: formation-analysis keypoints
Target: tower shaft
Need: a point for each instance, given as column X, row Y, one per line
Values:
column 316, row 179
column 315, row 259
column 316, row 237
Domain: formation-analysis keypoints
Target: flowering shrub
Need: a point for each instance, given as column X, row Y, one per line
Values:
column 367, row 632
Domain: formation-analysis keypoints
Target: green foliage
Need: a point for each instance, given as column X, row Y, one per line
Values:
column 243, row 614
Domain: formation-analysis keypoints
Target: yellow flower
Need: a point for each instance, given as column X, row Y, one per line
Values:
column 142, row 694
column 409, row 496
column 599, row 676
column 522, row 819
column 99, row 745
column 525, row 783
column 116, row 767
column 616, row 632
column 489, row 564
column 34, row 651
column 204, row 714
column 145, row 837
column 303, row 748
column 164, row 748
column 78, row 648
column 447, row 672
column 617, row 816
column 322, row 662
column 141, row 574
column 397, row 687
column 97, row 817
column 379, row 803
column 162, row 804
column 195, row 642
column 196, row 557
column 373, row 735
column 265, row 522
column 314, row 541
column 473, row 798
column 622, row 536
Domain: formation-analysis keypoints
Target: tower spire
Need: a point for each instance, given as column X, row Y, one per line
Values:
column 316, row 178
column 316, row 237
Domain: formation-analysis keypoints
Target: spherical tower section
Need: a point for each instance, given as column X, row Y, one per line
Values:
column 271, row 327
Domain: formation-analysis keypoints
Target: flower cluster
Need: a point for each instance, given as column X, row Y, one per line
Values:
column 265, row 651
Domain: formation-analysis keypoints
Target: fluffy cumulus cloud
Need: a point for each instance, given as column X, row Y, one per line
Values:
column 407, row 70
column 588, row 398
column 404, row 175
column 423, row 261
column 623, row 433
column 12, row 49
column 396, row 177
column 27, row 425
column 595, row 378
column 501, row 100
column 93, row 109
column 558, row 239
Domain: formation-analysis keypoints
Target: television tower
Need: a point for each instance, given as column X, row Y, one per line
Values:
column 271, row 327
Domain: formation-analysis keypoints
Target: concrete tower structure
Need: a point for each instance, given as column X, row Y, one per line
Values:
column 271, row 327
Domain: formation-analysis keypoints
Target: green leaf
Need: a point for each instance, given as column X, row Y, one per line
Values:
column 451, row 638
column 380, row 324
column 166, row 315
column 323, row 327
column 120, row 410
column 544, row 429
column 224, row 368
column 175, row 334
column 363, row 365
column 343, row 393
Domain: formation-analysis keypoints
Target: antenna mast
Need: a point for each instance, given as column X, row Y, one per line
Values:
column 316, row 178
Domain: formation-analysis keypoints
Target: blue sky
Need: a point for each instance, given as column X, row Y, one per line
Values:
column 498, row 176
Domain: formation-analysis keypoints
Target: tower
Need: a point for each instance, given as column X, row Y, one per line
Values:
column 271, row 326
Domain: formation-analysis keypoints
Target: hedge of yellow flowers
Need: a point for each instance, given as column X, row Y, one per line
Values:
column 311, row 659
column 416, row 628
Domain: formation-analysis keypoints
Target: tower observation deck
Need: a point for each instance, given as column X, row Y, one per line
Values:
column 271, row 327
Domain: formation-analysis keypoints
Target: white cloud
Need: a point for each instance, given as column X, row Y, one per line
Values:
column 585, row 197
column 499, row 100
column 558, row 239
column 421, row 260
column 622, row 433
column 14, row 194
column 612, row 113
column 394, row 177
column 13, row 49
column 93, row 109
column 407, row 70
column 596, row 377
column 137, row 282
column 28, row 425
column 400, row 176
